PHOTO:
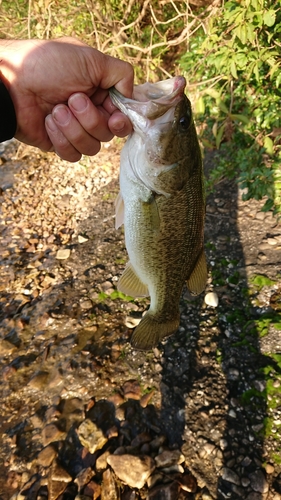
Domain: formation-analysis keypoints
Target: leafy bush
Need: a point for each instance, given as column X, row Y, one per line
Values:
column 234, row 64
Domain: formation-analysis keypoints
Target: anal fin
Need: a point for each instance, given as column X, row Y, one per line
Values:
column 130, row 284
column 197, row 281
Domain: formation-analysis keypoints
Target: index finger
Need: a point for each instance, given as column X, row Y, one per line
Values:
column 119, row 74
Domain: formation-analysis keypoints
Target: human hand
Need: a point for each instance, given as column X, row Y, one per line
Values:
column 60, row 93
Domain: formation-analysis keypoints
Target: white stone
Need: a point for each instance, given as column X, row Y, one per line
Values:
column 211, row 299
column 81, row 239
column 63, row 254
column 131, row 322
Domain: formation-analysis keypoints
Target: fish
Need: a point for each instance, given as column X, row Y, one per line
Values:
column 161, row 204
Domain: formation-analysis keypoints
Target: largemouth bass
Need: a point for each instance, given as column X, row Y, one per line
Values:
column 161, row 203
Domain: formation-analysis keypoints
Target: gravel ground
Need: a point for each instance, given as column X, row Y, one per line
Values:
column 84, row 416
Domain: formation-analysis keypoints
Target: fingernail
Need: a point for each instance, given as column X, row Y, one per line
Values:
column 79, row 102
column 50, row 123
column 119, row 126
column 61, row 114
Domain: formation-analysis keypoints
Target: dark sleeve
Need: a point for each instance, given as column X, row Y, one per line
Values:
column 8, row 119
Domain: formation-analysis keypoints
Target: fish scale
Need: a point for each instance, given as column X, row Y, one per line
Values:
column 162, row 205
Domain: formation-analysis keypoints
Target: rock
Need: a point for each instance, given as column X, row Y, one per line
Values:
column 173, row 469
column 168, row 458
column 141, row 439
column 253, row 496
column 131, row 389
column 46, row 456
column 108, row 487
column 92, row 489
column 211, row 299
column 230, row 476
column 86, row 304
column 134, row 471
column 6, row 347
column 84, row 477
column 58, row 480
column 145, row 399
column 91, row 436
column 223, row 444
column 132, row 322
column 188, row 483
column 101, row 463
column 245, row 481
column 39, row 380
column 269, row 469
column 81, row 239
column 164, row 492
column 51, row 433
column 63, row 254
column 258, row 482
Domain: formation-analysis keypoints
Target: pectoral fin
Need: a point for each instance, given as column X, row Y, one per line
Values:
column 119, row 211
column 150, row 209
column 130, row 284
column 198, row 278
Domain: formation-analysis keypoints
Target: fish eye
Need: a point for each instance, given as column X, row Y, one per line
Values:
column 184, row 122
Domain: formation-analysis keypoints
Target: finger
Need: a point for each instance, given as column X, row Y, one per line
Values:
column 75, row 133
column 61, row 145
column 119, row 124
column 92, row 118
column 119, row 74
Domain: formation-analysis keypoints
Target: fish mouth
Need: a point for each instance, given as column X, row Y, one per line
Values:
column 150, row 100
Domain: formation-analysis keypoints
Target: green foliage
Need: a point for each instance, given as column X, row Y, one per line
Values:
column 142, row 32
column 114, row 295
column 234, row 62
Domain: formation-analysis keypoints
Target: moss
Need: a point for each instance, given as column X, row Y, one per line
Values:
column 248, row 395
column 260, row 281
column 276, row 457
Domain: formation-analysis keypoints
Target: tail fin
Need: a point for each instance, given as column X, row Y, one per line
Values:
column 149, row 332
